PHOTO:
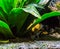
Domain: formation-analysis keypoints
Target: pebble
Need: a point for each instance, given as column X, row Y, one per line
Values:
column 32, row 45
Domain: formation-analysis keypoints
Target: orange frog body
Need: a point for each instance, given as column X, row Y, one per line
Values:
column 37, row 29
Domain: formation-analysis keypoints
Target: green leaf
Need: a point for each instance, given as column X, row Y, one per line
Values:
column 5, row 30
column 7, row 5
column 32, row 10
column 33, row 1
column 17, row 17
column 46, row 16
column 12, row 19
column 15, row 3
column 22, row 2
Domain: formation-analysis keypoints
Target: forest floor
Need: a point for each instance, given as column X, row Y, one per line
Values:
column 32, row 45
column 49, row 41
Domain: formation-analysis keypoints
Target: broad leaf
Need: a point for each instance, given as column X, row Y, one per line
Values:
column 12, row 19
column 17, row 17
column 7, row 5
column 33, row 1
column 46, row 16
column 3, row 15
column 32, row 10
column 22, row 2
column 15, row 3
column 5, row 30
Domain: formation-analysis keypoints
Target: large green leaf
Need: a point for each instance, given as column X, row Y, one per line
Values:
column 12, row 19
column 32, row 10
column 22, row 2
column 15, row 3
column 33, row 1
column 5, row 30
column 3, row 15
column 17, row 17
column 7, row 5
column 46, row 16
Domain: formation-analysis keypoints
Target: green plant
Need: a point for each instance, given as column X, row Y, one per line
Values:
column 14, row 13
column 45, row 16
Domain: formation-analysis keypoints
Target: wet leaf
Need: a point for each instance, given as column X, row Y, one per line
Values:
column 46, row 16
column 5, row 30
column 32, row 10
